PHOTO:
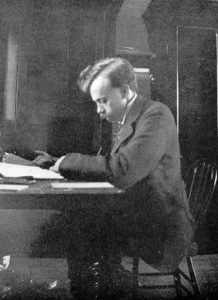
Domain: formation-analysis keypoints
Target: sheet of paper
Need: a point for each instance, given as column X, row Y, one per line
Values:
column 15, row 170
column 80, row 185
column 14, row 187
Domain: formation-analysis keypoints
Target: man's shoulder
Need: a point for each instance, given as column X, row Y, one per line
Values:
column 151, row 105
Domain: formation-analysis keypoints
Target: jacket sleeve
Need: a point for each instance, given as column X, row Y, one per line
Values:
column 135, row 159
column 84, row 167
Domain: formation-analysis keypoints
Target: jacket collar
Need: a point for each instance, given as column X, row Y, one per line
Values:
column 127, row 129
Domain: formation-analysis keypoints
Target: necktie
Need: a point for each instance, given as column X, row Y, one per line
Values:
column 115, row 133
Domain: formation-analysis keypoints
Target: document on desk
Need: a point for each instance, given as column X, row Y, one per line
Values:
column 13, row 187
column 15, row 170
column 81, row 185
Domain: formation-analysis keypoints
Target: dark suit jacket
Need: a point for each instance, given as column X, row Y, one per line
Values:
column 145, row 160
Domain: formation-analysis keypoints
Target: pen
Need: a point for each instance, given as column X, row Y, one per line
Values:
column 99, row 151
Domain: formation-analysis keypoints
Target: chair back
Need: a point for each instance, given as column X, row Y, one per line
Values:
column 200, row 179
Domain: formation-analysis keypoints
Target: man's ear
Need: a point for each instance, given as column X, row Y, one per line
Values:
column 125, row 91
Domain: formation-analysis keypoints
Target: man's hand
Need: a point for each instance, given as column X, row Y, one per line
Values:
column 44, row 160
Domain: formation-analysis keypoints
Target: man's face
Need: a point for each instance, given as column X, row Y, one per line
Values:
column 110, row 101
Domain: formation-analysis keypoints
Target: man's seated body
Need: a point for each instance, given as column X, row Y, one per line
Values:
column 153, row 220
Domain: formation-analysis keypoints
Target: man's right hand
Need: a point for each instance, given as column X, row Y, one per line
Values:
column 44, row 160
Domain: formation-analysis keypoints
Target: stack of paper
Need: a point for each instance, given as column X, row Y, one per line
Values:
column 14, row 170
column 14, row 187
column 80, row 185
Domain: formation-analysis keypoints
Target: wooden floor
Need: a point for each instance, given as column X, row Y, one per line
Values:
column 50, row 275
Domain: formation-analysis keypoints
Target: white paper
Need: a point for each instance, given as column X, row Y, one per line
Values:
column 80, row 185
column 14, row 187
column 15, row 170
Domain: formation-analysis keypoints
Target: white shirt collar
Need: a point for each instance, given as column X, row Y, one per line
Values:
column 128, row 106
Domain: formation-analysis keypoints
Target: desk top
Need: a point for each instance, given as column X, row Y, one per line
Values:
column 45, row 187
column 41, row 195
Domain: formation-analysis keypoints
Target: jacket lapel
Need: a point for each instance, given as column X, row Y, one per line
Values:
column 127, row 129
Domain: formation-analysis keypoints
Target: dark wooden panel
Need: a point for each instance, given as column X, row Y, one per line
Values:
column 197, row 92
column 54, row 41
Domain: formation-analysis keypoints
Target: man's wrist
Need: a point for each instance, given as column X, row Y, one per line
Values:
column 57, row 163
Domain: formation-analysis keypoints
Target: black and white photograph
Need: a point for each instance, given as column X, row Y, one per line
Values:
column 108, row 149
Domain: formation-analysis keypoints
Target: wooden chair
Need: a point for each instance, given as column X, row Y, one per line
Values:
column 200, row 179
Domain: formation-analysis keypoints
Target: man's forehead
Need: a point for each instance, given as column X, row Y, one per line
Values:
column 99, row 83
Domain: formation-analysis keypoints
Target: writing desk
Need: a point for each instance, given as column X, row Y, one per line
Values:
column 41, row 195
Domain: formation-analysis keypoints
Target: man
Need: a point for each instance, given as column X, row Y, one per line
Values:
column 153, row 220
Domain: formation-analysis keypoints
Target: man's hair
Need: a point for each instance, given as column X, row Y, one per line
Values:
column 118, row 70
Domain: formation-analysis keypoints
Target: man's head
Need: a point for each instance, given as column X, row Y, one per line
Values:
column 111, row 83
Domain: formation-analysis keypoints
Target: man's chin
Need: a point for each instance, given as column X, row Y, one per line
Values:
column 107, row 118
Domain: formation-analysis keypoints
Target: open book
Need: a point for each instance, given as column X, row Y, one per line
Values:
column 15, row 170
column 16, row 159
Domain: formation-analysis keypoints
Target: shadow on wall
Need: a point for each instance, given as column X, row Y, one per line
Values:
column 70, row 135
